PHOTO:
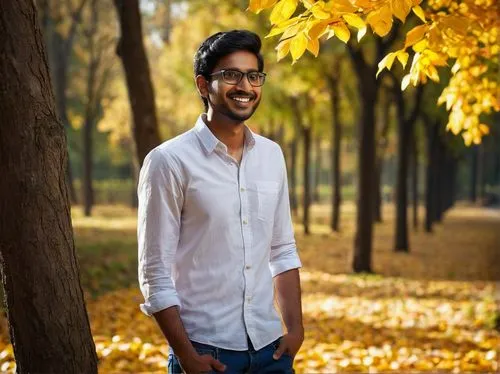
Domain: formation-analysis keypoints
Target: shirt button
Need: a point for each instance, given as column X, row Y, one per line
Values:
column 242, row 189
column 248, row 267
column 245, row 222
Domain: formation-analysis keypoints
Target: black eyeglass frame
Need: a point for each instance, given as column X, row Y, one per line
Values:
column 243, row 74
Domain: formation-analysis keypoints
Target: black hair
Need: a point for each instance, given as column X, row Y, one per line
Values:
column 222, row 44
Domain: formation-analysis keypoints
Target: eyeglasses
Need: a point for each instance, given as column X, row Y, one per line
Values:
column 233, row 77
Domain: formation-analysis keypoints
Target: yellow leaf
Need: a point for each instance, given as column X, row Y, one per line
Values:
column 313, row 47
column 342, row 6
column 291, row 31
column 459, row 24
column 298, row 46
column 402, row 57
column 341, row 31
column 318, row 10
column 432, row 73
column 420, row 46
column 400, row 9
column 419, row 12
column 405, row 82
column 282, row 11
column 467, row 138
column 308, row 3
column 278, row 29
column 416, row 34
column 354, row 20
column 380, row 20
column 484, row 129
column 361, row 33
column 283, row 48
column 386, row 62
column 317, row 29
column 257, row 6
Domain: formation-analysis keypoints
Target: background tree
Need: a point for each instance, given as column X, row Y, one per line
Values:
column 140, row 89
column 38, row 255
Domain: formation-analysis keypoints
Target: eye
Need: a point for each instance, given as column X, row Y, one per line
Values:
column 231, row 74
column 254, row 77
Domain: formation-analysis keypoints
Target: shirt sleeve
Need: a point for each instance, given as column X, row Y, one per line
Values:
column 159, row 213
column 284, row 254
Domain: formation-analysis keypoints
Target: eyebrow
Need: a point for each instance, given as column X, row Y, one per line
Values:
column 248, row 71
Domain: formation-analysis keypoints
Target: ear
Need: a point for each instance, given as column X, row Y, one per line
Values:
column 202, row 85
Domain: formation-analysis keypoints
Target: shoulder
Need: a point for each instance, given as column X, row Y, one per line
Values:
column 267, row 145
column 169, row 153
column 172, row 149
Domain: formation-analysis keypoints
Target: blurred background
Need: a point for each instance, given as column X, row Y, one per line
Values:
column 421, row 294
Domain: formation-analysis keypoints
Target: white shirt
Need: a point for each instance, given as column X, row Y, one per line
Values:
column 213, row 233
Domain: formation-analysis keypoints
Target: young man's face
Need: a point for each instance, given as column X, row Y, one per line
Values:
column 236, row 102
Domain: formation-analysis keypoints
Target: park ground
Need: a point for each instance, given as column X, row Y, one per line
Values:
column 432, row 309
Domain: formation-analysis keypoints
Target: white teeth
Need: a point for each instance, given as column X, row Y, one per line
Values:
column 242, row 99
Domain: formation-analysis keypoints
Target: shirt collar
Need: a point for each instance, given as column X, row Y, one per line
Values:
column 210, row 142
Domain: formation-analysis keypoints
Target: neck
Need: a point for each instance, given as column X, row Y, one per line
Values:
column 229, row 132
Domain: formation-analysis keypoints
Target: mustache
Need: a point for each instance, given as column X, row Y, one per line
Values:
column 242, row 94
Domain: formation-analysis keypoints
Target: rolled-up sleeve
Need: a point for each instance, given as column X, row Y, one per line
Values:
column 284, row 254
column 159, row 214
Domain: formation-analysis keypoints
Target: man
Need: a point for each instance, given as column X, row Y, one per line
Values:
column 215, row 230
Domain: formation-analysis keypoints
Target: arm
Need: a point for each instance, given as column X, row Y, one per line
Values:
column 161, row 198
column 284, row 265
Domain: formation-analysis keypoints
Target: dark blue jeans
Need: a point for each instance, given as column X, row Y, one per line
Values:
column 239, row 362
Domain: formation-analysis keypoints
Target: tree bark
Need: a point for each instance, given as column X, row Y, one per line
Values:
column 473, row 174
column 140, row 89
column 59, row 53
column 414, row 177
column 406, row 123
column 293, row 175
column 48, row 323
column 317, row 170
column 367, row 89
column 381, row 149
column 306, row 197
column 333, row 84
column 88, row 126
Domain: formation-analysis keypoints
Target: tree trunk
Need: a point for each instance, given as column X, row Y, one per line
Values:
column 481, row 172
column 406, row 124
column 366, row 179
column 140, row 90
column 429, row 175
column 367, row 90
column 401, row 238
column 336, row 149
column 381, row 149
column 473, row 174
column 317, row 169
column 88, row 126
column 48, row 323
column 293, row 175
column 414, row 177
column 59, row 51
column 438, row 174
column 306, row 197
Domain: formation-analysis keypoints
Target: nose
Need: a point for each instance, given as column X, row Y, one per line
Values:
column 244, row 84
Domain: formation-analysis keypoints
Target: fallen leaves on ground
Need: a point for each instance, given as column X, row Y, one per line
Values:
column 436, row 318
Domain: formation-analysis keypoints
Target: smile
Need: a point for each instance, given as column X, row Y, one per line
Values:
column 241, row 99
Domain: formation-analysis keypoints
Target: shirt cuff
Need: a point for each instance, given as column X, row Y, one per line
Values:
column 282, row 264
column 159, row 301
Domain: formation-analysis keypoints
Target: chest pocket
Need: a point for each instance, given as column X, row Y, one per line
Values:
column 267, row 194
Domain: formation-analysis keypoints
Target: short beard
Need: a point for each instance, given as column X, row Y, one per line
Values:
column 224, row 110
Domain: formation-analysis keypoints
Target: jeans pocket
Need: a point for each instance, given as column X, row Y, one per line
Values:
column 173, row 365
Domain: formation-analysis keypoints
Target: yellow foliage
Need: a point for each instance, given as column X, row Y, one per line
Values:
column 466, row 31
